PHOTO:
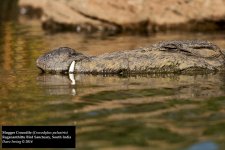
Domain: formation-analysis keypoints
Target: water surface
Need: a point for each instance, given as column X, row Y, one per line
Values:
column 160, row 112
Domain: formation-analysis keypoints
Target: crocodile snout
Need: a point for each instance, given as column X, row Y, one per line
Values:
column 58, row 60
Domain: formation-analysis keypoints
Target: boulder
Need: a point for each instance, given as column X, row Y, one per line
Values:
column 129, row 15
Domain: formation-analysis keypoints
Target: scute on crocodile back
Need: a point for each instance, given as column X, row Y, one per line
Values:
column 198, row 48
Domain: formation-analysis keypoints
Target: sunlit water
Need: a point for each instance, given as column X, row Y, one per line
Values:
column 160, row 112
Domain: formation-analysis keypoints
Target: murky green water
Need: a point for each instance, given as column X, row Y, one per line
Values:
column 160, row 112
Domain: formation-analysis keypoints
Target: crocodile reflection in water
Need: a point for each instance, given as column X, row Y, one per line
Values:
column 163, row 57
column 73, row 82
column 58, row 84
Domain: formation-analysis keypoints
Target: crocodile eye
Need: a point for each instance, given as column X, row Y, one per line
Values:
column 170, row 46
column 74, row 54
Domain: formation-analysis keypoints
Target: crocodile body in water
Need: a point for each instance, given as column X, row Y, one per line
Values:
column 163, row 57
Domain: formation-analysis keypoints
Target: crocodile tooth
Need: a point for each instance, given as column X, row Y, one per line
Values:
column 72, row 66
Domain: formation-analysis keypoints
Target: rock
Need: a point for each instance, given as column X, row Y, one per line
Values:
column 163, row 57
column 129, row 15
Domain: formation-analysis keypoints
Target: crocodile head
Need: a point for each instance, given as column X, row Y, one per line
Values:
column 58, row 60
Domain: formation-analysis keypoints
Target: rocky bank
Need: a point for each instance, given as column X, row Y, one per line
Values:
column 127, row 15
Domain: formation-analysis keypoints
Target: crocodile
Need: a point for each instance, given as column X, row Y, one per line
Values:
column 177, row 56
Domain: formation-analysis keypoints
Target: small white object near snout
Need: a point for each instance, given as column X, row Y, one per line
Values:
column 72, row 66
column 72, row 78
column 71, row 71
